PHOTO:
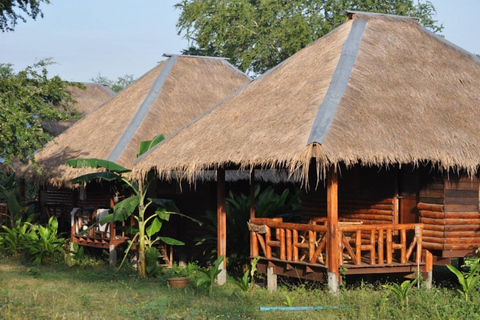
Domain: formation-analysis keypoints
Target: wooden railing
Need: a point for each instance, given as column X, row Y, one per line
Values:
column 380, row 241
column 288, row 241
column 378, row 244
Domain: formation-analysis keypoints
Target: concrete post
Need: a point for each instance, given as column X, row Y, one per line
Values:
column 271, row 279
column 222, row 276
column 113, row 256
column 332, row 282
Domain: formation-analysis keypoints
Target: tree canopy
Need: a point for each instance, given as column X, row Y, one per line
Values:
column 116, row 85
column 13, row 10
column 259, row 34
column 27, row 99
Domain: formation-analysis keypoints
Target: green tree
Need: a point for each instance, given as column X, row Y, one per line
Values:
column 12, row 10
column 116, row 85
column 258, row 34
column 28, row 98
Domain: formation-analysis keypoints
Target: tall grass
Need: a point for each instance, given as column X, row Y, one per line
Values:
column 93, row 291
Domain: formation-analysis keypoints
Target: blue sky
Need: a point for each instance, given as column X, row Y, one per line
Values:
column 118, row 37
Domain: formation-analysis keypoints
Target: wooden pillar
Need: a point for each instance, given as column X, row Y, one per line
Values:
column 221, row 225
column 333, row 232
column 21, row 190
column 253, row 242
column 429, row 268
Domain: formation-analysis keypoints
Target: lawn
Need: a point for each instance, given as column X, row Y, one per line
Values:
column 93, row 291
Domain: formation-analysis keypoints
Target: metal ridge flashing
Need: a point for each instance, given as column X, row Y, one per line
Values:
column 375, row 14
column 193, row 56
column 338, row 84
column 191, row 122
column 142, row 110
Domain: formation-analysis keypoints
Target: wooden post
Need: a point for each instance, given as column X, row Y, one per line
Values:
column 253, row 238
column 429, row 268
column 333, row 232
column 221, row 225
column 21, row 189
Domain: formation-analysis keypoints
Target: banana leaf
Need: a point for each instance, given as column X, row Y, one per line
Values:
column 107, row 176
column 149, row 144
column 97, row 163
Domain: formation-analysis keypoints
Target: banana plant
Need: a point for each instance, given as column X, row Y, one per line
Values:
column 134, row 206
column 467, row 280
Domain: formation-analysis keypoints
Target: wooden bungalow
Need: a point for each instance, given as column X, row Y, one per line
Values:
column 160, row 102
column 379, row 120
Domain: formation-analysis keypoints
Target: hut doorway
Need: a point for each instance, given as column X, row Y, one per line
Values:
column 408, row 190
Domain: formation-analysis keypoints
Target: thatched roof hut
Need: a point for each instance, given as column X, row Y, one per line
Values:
column 88, row 98
column 378, row 90
column 164, row 99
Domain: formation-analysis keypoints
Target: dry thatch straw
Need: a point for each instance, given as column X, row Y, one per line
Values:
column 87, row 99
column 409, row 97
column 161, row 101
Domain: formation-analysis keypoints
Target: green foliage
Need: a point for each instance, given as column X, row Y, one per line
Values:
column 401, row 290
column 207, row 277
column 247, row 282
column 116, row 85
column 8, row 193
column 12, row 240
column 94, row 292
column 289, row 300
column 36, row 242
column 75, row 255
column 11, row 11
column 258, row 35
column 135, row 206
column 268, row 203
column 468, row 280
column 27, row 99
column 42, row 243
column 33, row 271
column 148, row 144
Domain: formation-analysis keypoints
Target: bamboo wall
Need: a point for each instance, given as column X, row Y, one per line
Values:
column 450, row 213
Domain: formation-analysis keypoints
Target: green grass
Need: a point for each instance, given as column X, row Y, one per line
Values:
column 93, row 291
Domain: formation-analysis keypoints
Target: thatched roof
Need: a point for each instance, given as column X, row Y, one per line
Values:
column 378, row 90
column 87, row 99
column 161, row 101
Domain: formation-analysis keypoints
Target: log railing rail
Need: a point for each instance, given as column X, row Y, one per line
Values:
column 290, row 241
column 295, row 242
column 379, row 241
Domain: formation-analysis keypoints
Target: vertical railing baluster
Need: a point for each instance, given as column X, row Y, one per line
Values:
column 311, row 245
column 358, row 246
column 289, row 244
column 282, row 243
column 380, row 247
column 268, row 238
column 403, row 250
column 372, row 247
column 389, row 246
column 295, row 248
